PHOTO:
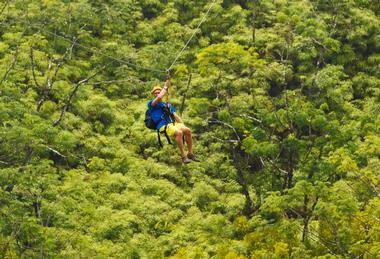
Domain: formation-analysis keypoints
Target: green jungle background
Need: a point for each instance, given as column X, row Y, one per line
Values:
column 283, row 99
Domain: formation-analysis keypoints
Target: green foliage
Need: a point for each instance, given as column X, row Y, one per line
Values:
column 282, row 98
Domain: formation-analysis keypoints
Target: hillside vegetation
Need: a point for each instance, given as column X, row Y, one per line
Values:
column 283, row 99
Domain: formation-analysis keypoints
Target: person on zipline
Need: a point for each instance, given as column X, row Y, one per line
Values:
column 173, row 124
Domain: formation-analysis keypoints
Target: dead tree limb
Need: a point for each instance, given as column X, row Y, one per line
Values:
column 50, row 80
column 31, row 55
column 67, row 104
column 215, row 121
column 239, row 162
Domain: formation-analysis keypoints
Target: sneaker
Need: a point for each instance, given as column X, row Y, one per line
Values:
column 192, row 157
column 185, row 160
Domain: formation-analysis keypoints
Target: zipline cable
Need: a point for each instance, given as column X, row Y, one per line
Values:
column 192, row 36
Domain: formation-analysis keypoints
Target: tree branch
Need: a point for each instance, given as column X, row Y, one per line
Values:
column 50, row 81
column 55, row 151
column 31, row 55
column 66, row 106
column 226, row 140
column 247, row 117
column 228, row 125
column 275, row 166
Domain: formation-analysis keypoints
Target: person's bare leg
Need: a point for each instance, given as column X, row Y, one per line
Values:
column 178, row 139
column 189, row 141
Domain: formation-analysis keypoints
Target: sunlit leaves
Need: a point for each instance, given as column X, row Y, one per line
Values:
column 283, row 107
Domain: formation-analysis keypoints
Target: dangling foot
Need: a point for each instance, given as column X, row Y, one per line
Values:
column 193, row 157
column 185, row 160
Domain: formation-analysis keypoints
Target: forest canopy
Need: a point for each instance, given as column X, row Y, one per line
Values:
column 282, row 97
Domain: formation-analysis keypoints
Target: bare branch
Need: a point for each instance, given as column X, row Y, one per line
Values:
column 275, row 166
column 226, row 140
column 247, row 117
column 262, row 161
column 228, row 125
column 55, row 151
column 33, row 67
column 66, row 106
column 250, row 117
column 319, row 43
column 50, row 80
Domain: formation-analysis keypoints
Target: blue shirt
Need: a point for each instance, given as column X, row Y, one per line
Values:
column 157, row 113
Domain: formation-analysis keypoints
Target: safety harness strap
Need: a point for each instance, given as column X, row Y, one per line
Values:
column 166, row 135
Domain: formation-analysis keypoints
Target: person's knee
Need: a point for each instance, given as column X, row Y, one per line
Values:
column 178, row 133
column 186, row 131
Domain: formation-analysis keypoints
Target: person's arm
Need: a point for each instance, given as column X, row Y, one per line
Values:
column 161, row 94
column 177, row 118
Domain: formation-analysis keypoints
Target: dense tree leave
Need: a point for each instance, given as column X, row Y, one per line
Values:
column 283, row 99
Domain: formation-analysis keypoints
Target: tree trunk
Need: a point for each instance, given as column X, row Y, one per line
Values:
column 254, row 16
column 248, row 210
column 306, row 219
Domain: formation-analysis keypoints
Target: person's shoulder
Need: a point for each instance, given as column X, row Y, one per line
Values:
column 158, row 105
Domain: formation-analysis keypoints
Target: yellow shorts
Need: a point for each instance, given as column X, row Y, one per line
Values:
column 171, row 128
